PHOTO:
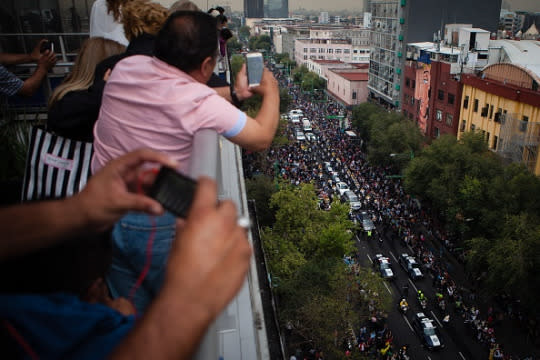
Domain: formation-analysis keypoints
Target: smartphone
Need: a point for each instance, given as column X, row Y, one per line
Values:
column 46, row 45
column 255, row 67
column 173, row 191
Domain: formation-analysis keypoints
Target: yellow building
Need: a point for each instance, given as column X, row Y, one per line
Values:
column 504, row 104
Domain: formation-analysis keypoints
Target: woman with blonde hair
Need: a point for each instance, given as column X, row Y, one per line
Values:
column 74, row 104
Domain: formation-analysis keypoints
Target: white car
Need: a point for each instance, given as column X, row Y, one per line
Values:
column 311, row 136
column 342, row 188
column 300, row 136
column 335, row 177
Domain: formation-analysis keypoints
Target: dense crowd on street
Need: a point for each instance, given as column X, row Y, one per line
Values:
column 398, row 217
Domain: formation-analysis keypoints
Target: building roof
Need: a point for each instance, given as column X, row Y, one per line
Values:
column 327, row 61
column 360, row 65
column 353, row 76
column 525, row 53
column 476, row 30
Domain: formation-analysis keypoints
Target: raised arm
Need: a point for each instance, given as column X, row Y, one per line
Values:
column 102, row 202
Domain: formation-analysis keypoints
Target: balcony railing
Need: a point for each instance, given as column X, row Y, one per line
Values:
column 239, row 332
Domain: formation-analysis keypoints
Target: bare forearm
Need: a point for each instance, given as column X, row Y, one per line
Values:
column 171, row 329
column 12, row 59
column 31, row 84
column 34, row 226
column 268, row 116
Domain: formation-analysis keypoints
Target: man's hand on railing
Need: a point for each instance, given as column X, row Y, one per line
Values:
column 47, row 60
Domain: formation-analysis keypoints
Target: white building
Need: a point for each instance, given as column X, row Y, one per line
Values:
column 322, row 67
column 329, row 49
column 324, row 18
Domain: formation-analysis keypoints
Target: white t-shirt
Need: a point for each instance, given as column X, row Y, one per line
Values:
column 102, row 24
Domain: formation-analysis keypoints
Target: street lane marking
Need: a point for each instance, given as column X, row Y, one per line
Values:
column 357, row 239
column 408, row 323
column 438, row 322
column 394, row 256
column 414, row 286
column 371, row 261
column 387, row 288
column 428, row 357
column 460, row 354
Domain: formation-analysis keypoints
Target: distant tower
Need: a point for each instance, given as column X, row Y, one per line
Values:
column 254, row 8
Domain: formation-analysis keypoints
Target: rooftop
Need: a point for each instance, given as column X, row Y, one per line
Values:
column 353, row 76
column 525, row 53
column 327, row 61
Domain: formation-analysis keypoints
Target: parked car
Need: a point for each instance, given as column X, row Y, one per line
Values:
column 310, row 136
column 382, row 263
column 342, row 187
column 300, row 136
column 411, row 266
column 350, row 197
column 365, row 219
column 427, row 332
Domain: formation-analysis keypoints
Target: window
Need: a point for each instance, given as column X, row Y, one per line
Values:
column 413, row 83
column 305, row 57
column 473, row 127
column 440, row 95
column 463, row 125
column 466, row 102
column 475, row 107
column 338, row 51
column 305, row 50
column 449, row 119
column 451, row 99
column 438, row 115
column 491, row 111
column 524, row 123
column 405, row 113
column 321, row 50
column 354, row 95
column 437, row 132
column 330, row 51
column 484, row 112
column 495, row 140
column 407, row 82
column 346, row 51
column 487, row 138
column 313, row 50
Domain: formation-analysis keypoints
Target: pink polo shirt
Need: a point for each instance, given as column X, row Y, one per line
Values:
column 148, row 103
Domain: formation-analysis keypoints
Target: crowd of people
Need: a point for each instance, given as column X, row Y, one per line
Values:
column 107, row 272
column 396, row 214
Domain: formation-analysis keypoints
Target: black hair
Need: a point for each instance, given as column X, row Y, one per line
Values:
column 226, row 34
column 221, row 19
column 220, row 9
column 186, row 39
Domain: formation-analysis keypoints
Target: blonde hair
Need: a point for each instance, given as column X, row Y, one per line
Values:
column 185, row 5
column 93, row 51
column 142, row 16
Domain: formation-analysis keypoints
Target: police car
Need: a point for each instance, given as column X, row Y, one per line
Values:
column 384, row 266
column 427, row 331
column 411, row 266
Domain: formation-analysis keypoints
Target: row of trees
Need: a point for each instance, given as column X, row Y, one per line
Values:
column 494, row 207
column 318, row 296
column 307, row 80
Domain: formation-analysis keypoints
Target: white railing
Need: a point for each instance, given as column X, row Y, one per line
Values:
column 240, row 331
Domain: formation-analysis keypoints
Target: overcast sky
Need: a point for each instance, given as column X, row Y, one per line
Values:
column 526, row 5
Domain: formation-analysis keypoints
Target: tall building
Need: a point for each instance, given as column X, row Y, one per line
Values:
column 276, row 8
column 398, row 22
column 254, row 8
column 324, row 18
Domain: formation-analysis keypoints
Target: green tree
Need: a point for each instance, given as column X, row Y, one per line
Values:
column 312, row 81
column 233, row 45
column 260, row 188
column 244, row 32
column 299, row 73
column 236, row 64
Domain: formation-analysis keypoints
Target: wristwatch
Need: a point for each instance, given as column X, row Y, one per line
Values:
column 235, row 100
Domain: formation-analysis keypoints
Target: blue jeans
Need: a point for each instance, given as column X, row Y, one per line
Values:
column 129, row 242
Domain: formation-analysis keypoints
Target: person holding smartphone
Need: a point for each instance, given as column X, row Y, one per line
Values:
column 11, row 85
column 160, row 102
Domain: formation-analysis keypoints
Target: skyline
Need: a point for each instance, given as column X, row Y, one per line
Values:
column 338, row 5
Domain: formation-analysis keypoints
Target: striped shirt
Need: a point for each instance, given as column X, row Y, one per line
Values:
column 9, row 83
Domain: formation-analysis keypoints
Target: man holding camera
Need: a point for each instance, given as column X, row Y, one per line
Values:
column 11, row 85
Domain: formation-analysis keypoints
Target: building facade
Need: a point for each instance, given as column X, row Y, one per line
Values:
column 329, row 49
column 254, row 8
column 276, row 8
column 348, row 86
column 507, row 112
column 322, row 67
column 398, row 22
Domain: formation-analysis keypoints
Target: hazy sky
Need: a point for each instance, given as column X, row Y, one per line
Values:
column 526, row 5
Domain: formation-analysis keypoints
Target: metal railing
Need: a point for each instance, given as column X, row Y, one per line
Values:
column 240, row 331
